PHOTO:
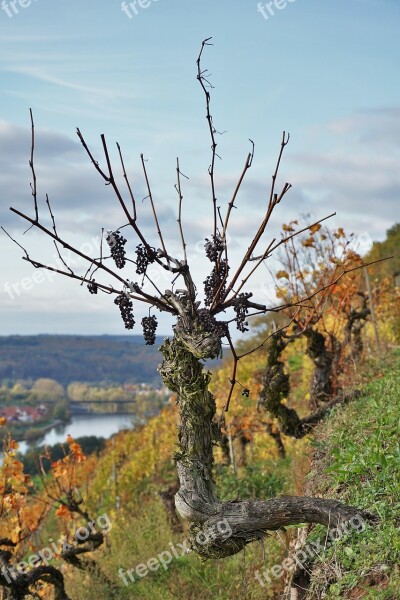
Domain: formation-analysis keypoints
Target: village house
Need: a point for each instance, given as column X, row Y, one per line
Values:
column 23, row 414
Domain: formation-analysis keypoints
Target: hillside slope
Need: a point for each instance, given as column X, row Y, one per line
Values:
column 358, row 461
column 67, row 358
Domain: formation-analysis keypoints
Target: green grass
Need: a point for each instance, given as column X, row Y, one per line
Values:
column 262, row 479
column 359, row 463
column 135, row 541
column 295, row 362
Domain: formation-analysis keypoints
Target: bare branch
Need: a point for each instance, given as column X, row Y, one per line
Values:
column 72, row 275
column 178, row 189
column 99, row 265
column 273, row 201
column 232, row 380
column 271, row 248
column 150, row 195
column 15, row 242
column 224, row 224
column 272, row 196
column 109, row 179
column 33, row 184
column 65, row 244
column 202, row 80
column 61, row 258
column 281, row 329
column 127, row 182
column 231, row 205
column 51, row 214
column 94, row 162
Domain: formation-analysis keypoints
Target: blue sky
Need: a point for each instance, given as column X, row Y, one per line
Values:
column 326, row 71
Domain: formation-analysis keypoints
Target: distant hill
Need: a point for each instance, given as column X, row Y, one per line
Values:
column 92, row 359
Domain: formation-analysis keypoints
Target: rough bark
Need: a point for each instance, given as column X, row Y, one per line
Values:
column 76, row 556
column 17, row 584
column 197, row 501
column 276, row 436
column 328, row 361
column 355, row 323
column 241, row 443
column 321, row 388
column 276, row 389
column 225, row 441
column 225, row 447
column 168, row 498
column 19, row 588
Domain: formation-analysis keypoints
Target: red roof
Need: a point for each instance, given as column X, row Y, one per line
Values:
column 11, row 411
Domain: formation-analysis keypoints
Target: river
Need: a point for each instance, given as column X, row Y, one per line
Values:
column 80, row 425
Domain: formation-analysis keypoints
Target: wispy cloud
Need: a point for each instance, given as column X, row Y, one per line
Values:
column 371, row 127
column 40, row 75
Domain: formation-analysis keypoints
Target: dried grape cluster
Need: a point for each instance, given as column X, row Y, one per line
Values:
column 241, row 309
column 117, row 242
column 92, row 287
column 149, row 325
column 214, row 281
column 214, row 247
column 125, row 306
column 210, row 324
column 144, row 256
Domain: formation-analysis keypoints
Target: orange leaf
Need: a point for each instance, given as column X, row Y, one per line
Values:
column 340, row 233
column 63, row 512
column 309, row 243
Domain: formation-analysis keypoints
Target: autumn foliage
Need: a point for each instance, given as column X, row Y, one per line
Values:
column 24, row 507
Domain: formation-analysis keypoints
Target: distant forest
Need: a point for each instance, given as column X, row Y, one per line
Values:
column 67, row 358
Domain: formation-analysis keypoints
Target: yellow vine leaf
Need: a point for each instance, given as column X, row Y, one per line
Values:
column 287, row 228
column 281, row 292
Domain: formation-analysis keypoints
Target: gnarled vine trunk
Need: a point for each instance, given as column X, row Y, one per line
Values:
column 197, row 500
column 276, row 390
column 321, row 388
